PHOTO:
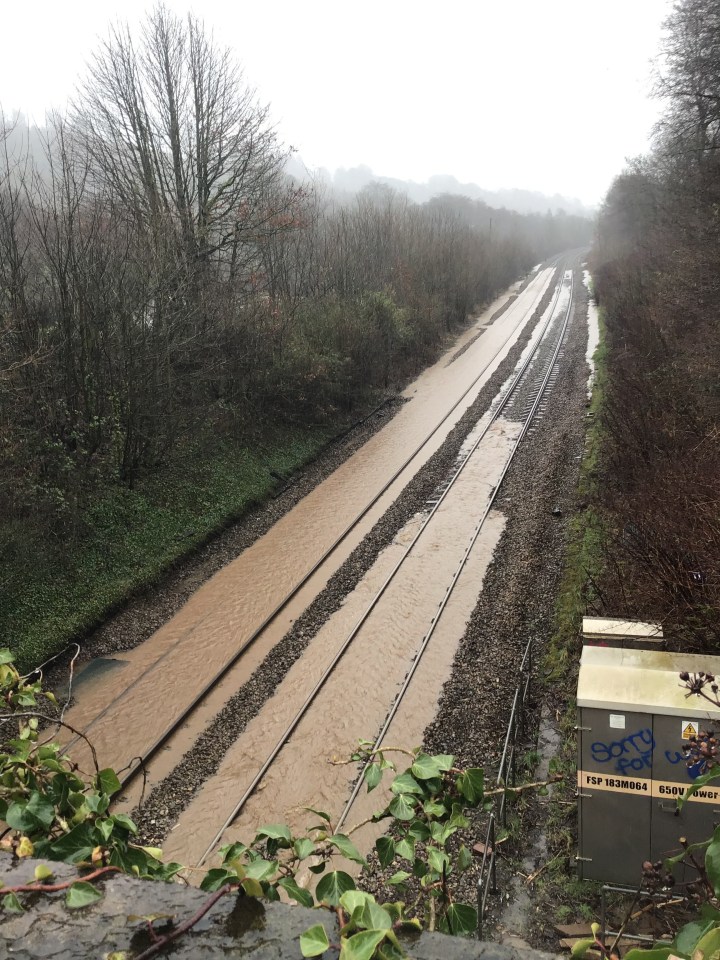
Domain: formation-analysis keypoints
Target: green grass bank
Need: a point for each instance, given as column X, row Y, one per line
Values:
column 53, row 590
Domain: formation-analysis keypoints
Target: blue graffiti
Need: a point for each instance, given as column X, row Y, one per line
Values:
column 677, row 758
column 633, row 752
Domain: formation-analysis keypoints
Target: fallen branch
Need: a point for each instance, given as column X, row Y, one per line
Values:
column 37, row 886
column 168, row 938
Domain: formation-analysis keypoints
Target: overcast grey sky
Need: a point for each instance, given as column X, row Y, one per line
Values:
column 549, row 96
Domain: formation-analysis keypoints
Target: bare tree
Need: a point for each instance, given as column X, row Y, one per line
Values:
column 171, row 125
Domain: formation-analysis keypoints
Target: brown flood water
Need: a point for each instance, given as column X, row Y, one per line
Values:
column 127, row 710
column 356, row 699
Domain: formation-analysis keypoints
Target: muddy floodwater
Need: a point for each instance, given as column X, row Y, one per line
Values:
column 127, row 709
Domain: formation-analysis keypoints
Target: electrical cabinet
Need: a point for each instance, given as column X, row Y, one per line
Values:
column 634, row 716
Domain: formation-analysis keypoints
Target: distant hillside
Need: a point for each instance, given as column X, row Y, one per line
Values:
column 523, row 201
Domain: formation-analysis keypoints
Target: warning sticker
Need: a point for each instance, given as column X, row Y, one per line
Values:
column 602, row 781
column 672, row 790
column 689, row 729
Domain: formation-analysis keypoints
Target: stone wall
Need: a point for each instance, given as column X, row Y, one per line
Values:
column 235, row 927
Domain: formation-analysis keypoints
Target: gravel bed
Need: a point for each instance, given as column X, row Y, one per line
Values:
column 519, row 592
column 168, row 799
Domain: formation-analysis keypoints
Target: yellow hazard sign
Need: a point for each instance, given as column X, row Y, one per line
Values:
column 689, row 729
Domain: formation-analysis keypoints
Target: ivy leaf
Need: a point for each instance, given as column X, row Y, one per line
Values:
column 374, row 917
column 471, row 784
column 74, row 846
column 426, row 767
column 261, row 869
column 405, row 849
column 231, row 851
column 712, row 865
column 708, row 945
column 385, row 848
column 438, row 859
column 351, row 900
column 464, row 858
column 6, row 655
column 11, row 903
column 406, row 783
column 253, row 888
column 403, row 807
column 372, row 776
column 107, row 782
column 154, row 852
column 82, row 894
column 400, row 877
column 462, row 919
column 314, row 941
column 295, row 892
column 347, row 848
column 418, row 831
column 303, row 848
column 320, row 813
column 361, row 946
column 17, row 818
column 105, row 826
column 43, row 872
column 275, row 831
column 124, row 821
column 689, row 935
column 333, row 886
column 216, row 878
column 458, row 818
column 580, row 947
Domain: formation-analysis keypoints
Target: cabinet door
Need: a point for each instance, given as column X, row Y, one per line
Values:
column 671, row 778
column 614, row 794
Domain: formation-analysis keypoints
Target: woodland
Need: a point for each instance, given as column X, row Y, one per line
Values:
column 655, row 268
column 174, row 304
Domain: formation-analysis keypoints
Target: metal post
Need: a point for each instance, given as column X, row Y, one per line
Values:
column 480, row 910
column 493, row 870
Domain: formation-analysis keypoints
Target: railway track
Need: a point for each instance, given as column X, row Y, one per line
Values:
column 115, row 704
column 525, row 395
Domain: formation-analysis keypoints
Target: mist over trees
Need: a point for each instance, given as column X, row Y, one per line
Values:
column 656, row 266
column 164, row 281
column 521, row 201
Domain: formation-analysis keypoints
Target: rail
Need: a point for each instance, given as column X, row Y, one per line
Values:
column 149, row 752
column 516, row 381
column 506, row 777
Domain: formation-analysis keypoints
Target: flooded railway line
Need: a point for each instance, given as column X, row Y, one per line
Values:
column 358, row 729
column 259, row 759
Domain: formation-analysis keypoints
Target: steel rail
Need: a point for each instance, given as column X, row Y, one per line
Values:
column 259, row 630
column 376, row 599
column 443, row 603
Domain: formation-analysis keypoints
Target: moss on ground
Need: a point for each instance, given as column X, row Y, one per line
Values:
column 53, row 592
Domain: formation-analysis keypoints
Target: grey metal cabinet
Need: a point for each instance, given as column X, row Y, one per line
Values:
column 633, row 718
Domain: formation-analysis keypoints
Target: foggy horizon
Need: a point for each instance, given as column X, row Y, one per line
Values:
column 549, row 101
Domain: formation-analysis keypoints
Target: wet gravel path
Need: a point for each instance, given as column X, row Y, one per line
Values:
column 168, row 799
column 519, row 591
